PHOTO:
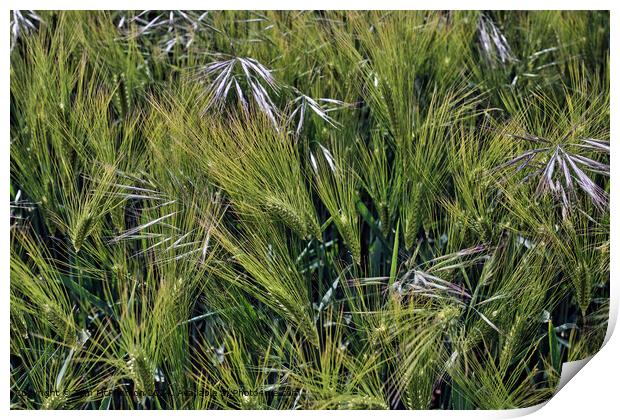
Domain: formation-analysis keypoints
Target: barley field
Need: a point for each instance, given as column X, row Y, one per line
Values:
column 306, row 210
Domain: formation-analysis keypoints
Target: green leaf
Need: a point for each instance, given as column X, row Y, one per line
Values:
column 394, row 262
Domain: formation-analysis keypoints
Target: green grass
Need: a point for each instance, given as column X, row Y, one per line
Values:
column 306, row 210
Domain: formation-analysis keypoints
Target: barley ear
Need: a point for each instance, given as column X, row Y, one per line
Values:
column 140, row 373
column 281, row 211
column 384, row 218
column 81, row 230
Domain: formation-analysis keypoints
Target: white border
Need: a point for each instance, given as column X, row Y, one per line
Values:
column 316, row 5
column 591, row 394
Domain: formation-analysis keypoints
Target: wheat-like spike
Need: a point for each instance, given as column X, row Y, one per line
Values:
column 509, row 344
column 58, row 322
column 140, row 373
column 412, row 216
column 480, row 226
column 116, row 98
column 127, row 93
column 348, row 234
column 448, row 314
column 283, row 212
column 361, row 402
column 55, row 401
column 582, row 281
column 81, row 230
column 384, row 218
column 176, row 293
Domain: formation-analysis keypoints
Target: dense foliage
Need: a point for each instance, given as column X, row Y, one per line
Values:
column 306, row 210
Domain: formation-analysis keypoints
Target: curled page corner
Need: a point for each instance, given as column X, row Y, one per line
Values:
column 569, row 370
